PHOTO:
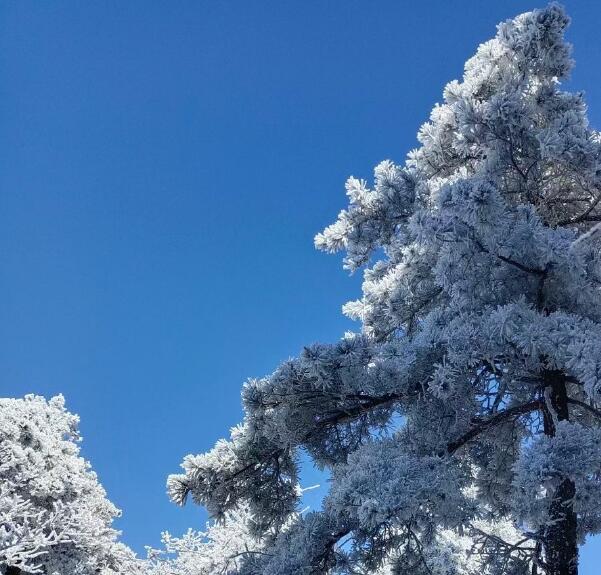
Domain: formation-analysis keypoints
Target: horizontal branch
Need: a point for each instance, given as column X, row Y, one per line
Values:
column 375, row 402
column 492, row 421
column 509, row 261
column 585, row 406
column 354, row 411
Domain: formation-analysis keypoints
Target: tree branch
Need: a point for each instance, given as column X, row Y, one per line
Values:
column 496, row 419
column 586, row 407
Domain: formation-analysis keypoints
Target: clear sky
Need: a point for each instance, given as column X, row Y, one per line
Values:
column 164, row 167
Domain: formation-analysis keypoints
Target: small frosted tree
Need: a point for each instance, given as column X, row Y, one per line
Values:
column 221, row 549
column 55, row 518
column 461, row 428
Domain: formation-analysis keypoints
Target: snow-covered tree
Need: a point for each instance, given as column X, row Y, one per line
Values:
column 55, row 518
column 221, row 549
column 461, row 428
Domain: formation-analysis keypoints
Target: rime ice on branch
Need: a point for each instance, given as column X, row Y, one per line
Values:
column 481, row 340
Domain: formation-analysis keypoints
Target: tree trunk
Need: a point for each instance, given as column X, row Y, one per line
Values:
column 560, row 537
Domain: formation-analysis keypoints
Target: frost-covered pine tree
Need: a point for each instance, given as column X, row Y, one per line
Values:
column 461, row 428
column 55, row 518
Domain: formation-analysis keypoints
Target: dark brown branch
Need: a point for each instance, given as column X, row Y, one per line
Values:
column 522, row 267
column 355, row 411
column 518, row 265
column 496, row 419
column 585, row 406
column 584, row 217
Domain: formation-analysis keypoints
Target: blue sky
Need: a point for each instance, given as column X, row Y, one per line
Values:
column 165, row 166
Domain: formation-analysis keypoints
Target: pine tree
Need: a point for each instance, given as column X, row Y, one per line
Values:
column 461, row 427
